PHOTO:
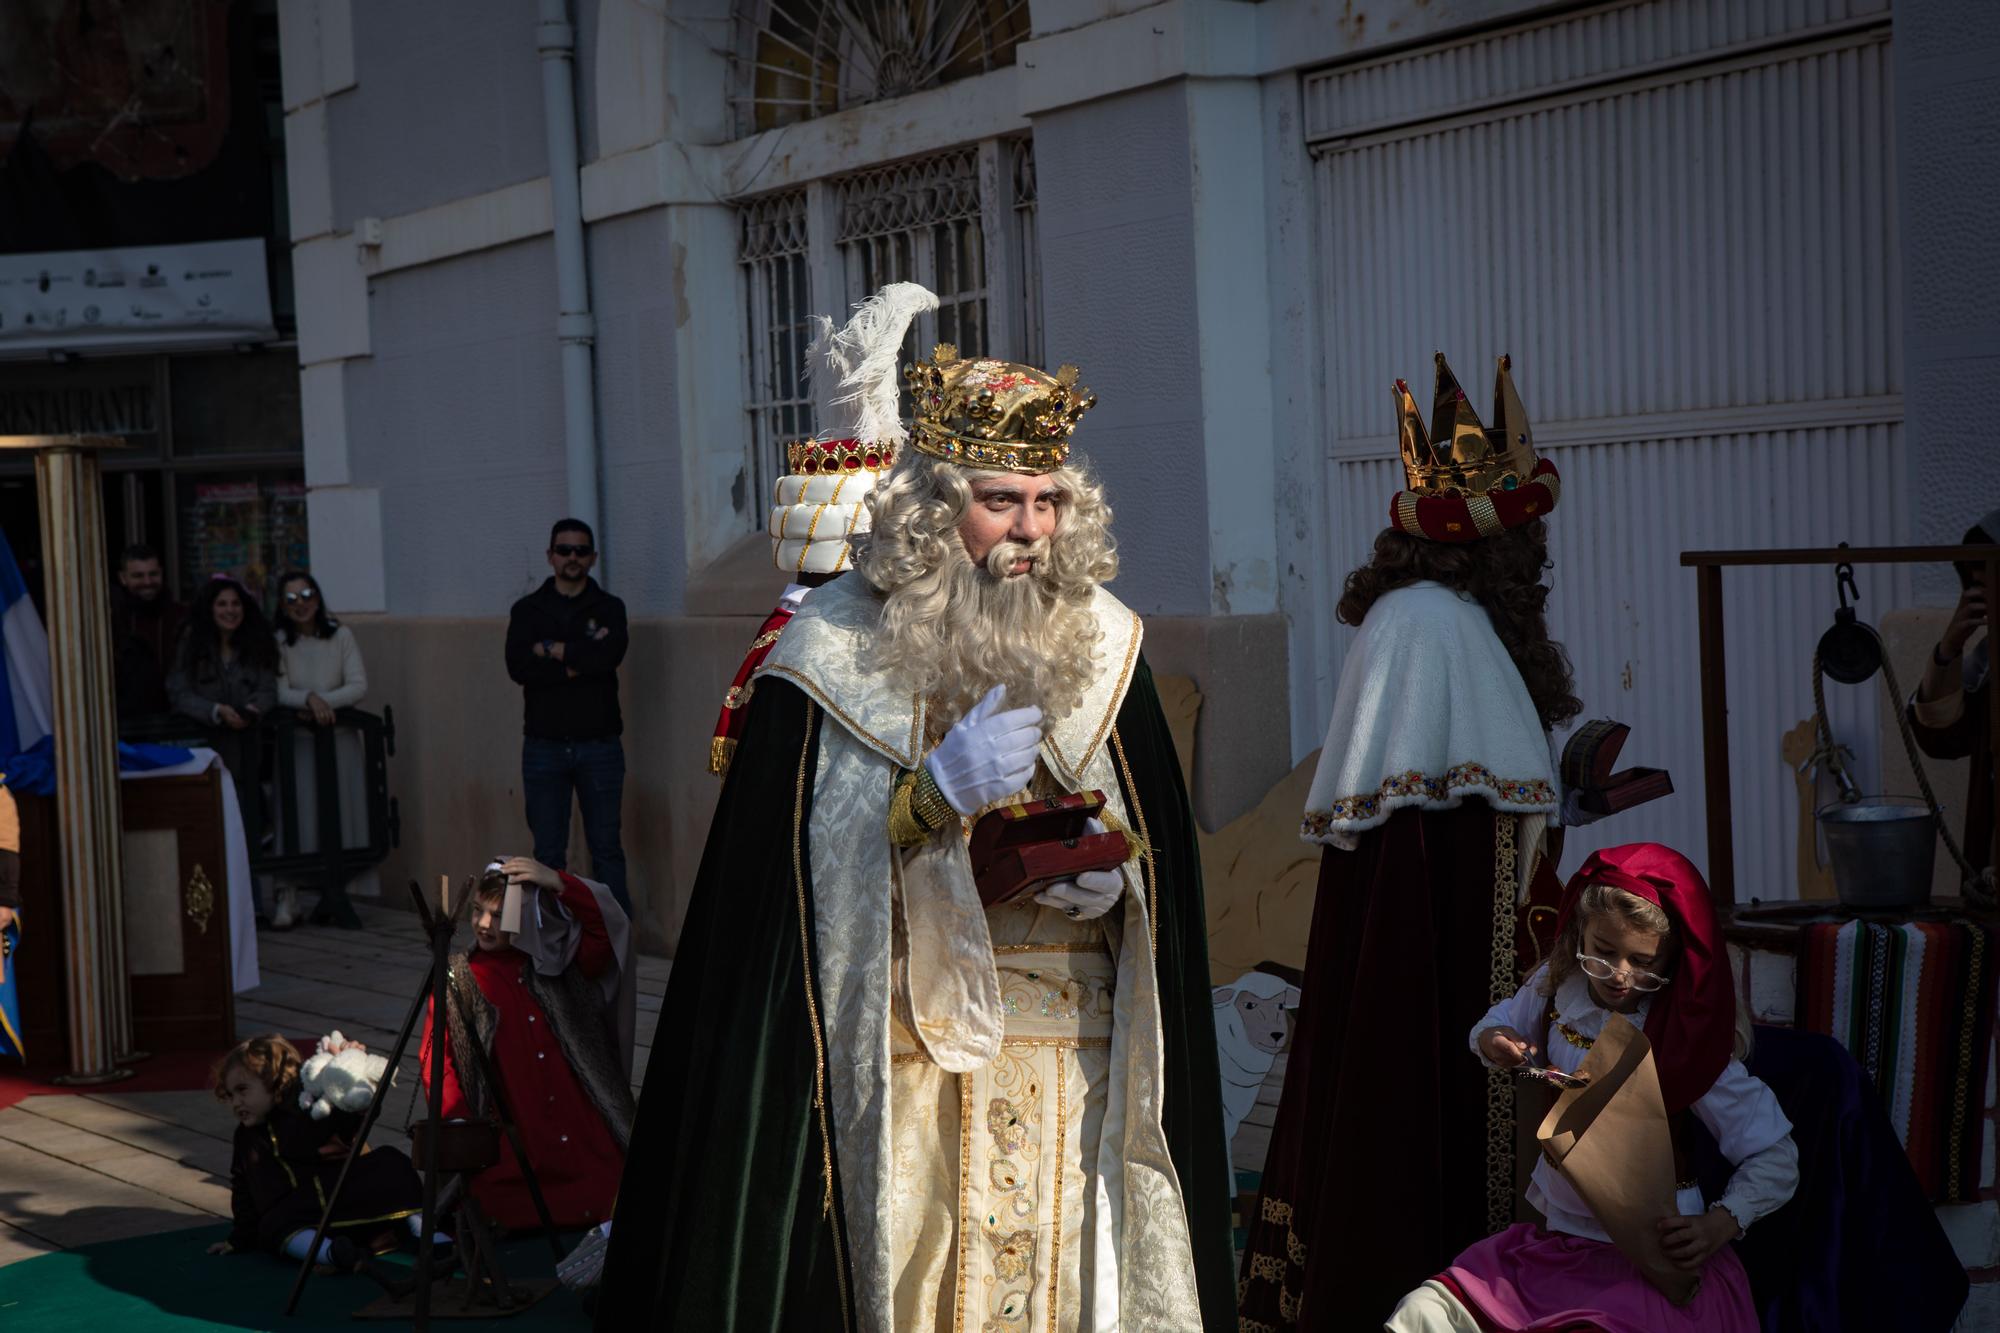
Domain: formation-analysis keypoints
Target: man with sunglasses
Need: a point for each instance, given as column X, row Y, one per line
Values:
column 564, row 643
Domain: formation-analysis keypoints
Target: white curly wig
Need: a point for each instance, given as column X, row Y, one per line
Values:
column 951, row 630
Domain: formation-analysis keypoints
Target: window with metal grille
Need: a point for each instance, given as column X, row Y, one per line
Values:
column 961, row 222
column 1027, row 248
column 777, row 288
column 921, row 222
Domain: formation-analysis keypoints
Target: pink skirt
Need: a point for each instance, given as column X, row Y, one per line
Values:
column 1527, row 1280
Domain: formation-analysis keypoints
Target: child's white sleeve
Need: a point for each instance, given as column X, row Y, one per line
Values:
column 1519, row 1012
column 1743, row 1114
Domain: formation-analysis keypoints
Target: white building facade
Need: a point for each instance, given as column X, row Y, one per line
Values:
column 1717, row 238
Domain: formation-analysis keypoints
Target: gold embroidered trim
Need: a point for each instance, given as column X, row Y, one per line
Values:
column 907, row 758
column 721, row 749
column 812, row 1017
column 1501, row 986
column 1056, row 1211
column 1110, row 714
column 1016, row 1043
column 1145, row 841
column 738, row 696
column 964, row 1193
column 1457, row 779
column 766, row 639
column 1271, row 1268
column 905, row 829
column 1064, row 946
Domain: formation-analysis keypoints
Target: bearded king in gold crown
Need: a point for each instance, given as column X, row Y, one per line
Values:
column 874, row 1102
column 1392, row 1147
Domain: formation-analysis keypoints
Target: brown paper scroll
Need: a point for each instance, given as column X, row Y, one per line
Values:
column 1612, row 1143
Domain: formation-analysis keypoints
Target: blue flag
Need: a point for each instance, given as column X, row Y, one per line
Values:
column 10, row 999
column 27, row 703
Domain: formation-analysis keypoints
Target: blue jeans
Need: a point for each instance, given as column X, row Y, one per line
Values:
column 595, row 772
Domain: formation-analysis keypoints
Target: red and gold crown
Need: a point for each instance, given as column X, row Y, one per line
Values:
column 1467, row 481
column 997, row 415
column 808, row 458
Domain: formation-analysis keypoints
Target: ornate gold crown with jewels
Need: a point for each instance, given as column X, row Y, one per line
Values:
column 1457, row 455
column 991, row 414
column 1467, row 482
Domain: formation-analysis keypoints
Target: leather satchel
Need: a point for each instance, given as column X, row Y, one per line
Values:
column 1018, row 849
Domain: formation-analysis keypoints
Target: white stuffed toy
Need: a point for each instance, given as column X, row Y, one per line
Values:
column 340, row 1076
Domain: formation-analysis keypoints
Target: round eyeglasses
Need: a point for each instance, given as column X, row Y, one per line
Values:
column 1599, row 970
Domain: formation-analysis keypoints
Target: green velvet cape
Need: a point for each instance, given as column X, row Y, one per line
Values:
column 722, row 1222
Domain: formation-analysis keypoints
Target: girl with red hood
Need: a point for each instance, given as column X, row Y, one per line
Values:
column 1638, row 937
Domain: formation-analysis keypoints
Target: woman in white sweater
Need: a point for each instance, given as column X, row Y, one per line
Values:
column 320, row 671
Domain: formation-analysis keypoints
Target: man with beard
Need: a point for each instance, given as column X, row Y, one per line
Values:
column 145, row 626
column 873, row 1103
column 564, row 643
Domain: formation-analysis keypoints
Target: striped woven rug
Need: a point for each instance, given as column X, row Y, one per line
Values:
column 1914, row 1005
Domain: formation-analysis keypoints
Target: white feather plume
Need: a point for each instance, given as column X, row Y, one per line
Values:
column 864, row 354
column 826, row 362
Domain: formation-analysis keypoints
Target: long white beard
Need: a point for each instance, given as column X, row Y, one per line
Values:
column 955, row 633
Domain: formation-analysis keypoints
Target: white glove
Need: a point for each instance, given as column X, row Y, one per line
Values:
column 987, row 754
column 1085, row 898
column 1088, row 896
column 1573, row 813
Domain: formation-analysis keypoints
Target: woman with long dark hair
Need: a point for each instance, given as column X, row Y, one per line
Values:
column 225, row 677
column 320, row 671
column 1392, row 1150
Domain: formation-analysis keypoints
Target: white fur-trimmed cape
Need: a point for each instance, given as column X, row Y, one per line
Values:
column 1430, row 709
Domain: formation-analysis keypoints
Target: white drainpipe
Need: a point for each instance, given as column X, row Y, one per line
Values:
column 576, row 330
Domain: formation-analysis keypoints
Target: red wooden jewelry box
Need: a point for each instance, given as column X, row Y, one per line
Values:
column 1018, row 849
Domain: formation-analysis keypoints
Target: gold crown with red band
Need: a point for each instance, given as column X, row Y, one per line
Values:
column 1467, row 481
column 809, row 458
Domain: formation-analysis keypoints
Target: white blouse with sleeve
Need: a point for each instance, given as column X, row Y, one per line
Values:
column 1740, row 1110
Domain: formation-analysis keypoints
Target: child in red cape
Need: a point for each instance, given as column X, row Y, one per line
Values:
column 1638, row 937
column 552, row 1003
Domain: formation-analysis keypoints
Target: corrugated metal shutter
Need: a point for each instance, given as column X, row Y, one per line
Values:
column 1680, row 220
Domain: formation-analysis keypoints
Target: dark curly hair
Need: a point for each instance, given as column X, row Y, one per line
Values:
column 1504, row 575
column 201, row 642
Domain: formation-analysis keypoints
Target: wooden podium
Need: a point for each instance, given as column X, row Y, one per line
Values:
column 176, row 920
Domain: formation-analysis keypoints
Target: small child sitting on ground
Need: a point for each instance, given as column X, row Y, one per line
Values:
column 552, row 1004
column 286, row 1162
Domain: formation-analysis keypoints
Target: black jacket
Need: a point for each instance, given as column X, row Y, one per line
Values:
column 562, row 707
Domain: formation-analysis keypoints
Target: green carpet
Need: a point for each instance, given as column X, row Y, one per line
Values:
column 167, row 1281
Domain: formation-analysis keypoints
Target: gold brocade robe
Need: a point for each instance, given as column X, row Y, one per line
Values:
column 993, row 1170
column 995, row 1079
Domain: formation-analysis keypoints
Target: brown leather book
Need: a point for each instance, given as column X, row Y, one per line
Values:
column 1018, row 849
column 1587, row 760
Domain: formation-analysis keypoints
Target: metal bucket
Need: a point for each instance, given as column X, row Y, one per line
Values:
column 1882, row 849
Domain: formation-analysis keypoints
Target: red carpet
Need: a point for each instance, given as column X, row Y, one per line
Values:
column 169, row 1071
